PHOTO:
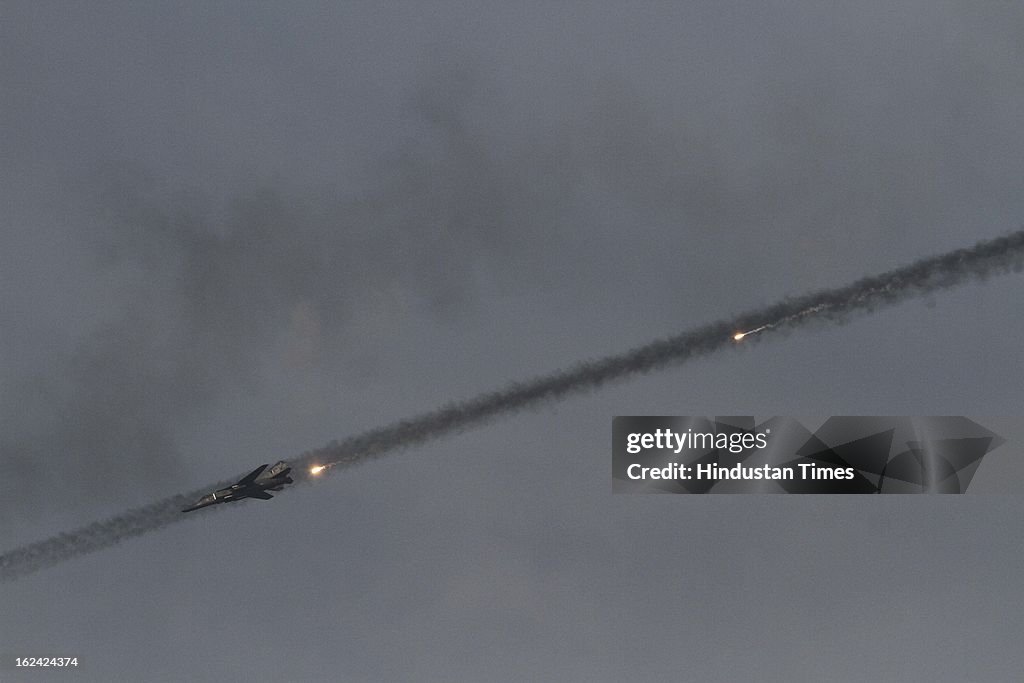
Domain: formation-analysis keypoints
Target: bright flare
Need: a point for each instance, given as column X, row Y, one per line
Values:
column 740, row 335
column 316, row 469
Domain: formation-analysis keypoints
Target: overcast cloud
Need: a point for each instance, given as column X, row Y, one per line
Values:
column 235, row 231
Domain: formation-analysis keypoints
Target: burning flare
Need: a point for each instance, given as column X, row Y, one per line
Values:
column 317, row 469
column 740, row 335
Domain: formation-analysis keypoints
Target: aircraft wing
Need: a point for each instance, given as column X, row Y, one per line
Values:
column 251, row 477
column 262, row 495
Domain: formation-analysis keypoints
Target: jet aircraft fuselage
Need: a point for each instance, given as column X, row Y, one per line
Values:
column 256, row 484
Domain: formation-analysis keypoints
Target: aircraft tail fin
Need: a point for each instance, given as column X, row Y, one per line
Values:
column 279, row 469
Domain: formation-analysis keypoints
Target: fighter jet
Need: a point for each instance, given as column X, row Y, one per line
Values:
column 256, row 484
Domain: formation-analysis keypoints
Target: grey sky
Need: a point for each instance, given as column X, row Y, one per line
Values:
column 232, row 233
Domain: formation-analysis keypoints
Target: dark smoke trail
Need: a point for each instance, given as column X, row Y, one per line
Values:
column 928, row 275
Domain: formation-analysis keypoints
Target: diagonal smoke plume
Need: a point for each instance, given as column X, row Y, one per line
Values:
column 924, row 276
